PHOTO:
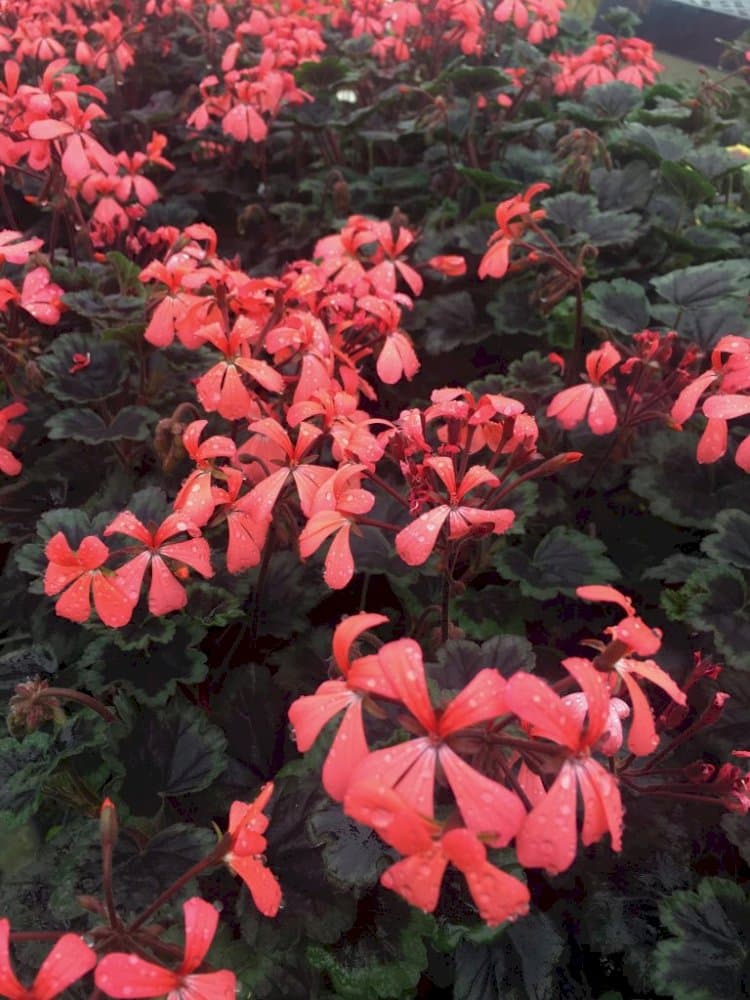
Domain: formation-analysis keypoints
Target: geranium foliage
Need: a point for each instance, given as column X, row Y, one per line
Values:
column 373, row 472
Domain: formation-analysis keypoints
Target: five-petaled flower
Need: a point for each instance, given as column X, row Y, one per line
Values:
column 129, row 976
column 428, row 849
column 78, row 573
column 70, row 959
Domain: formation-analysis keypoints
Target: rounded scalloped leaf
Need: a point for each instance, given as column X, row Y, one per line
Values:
column 103, row 376
column 730, row 543
column 709, row 954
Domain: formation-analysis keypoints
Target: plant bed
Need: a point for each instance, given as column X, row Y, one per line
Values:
column 374, row 451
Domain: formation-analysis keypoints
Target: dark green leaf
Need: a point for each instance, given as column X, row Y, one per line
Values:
column 677, row 488
column 310, row 902
column 151, row 674
column 731, row 540
column 102, row 377
column 716, row 599
column 251, row 713
column 709, row 953
column 169, row 752
column 21, row 664
column 705, row 284
column 623, row 189
column 353, row 855
column 526, row 962
column 383, row 960
column 458, row 660
column 618, row 305
column 448, row 322
column 689, row 183
column 663, row 142
column 612, row 101
column 563, row 560
column 132, row 423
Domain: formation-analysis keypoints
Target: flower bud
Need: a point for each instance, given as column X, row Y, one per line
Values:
column 108, row 825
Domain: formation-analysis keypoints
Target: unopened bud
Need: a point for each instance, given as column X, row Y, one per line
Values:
column 108, row 825
column 34, row 375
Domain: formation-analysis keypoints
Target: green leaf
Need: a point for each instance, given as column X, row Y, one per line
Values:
column 102, row 377
column 353, row 855
column 612, row 101
column 705, row 284
column 677, row 488
column 169, row 752
column 623, row 189
column 383, row 959
column 618, row 305
column 27, row 764
column 526, row 962
column 737, row 829
column 709, row 953
column 150, row 674
column 687, row 182
column 731, row 541
column 448, row 322
column 663, row 142
column 563, row 560
column 311, row 903
column 139, row 873
column 716, row 599
column 251, row 713
column 132, row 423
column 459, row 661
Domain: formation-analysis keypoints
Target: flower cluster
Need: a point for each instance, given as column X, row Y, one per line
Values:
column 501, row 761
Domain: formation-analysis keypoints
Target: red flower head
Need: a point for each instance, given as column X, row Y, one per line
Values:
column 77, row 574
column 68, row 961
column 310, row 713
column 9, row 434
column 589, row 400
column 130, row 976
column 166, row 593
column 635, row 635
column 487, row 808
column 247, row 824
column 548, row 836
column 428, row 850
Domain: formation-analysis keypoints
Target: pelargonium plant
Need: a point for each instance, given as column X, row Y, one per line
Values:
column 373, row 443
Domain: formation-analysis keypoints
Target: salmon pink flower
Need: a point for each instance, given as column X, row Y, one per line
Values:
column 548, row 836
column 247, row 824
column 487, row 807
column 451, row 265
column 15, row 249
column 126, row 976
column 588, row 401
column 513, row 217
column 166, row 593
column 636, row 636
column 310, row 713
column 415, row 542
column 334, row 510
column 77, row 574
column 9, row 434
column 429, row 850
column 70, row 959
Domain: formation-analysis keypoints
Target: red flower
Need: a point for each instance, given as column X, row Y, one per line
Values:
column 165, row 593
column 513, row 217
column 77, row 574
column 130, row 976
column 418, row 876
column 548, row 836
column 9, row 434
column 415, row 542
column 247, row 824
column 310, row 713
column 588, row 401
column 334, row 510
column 68, row 961
column 487, row 807
column 636, row 635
